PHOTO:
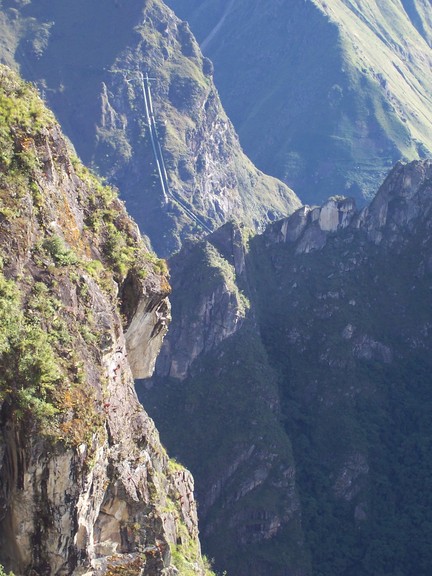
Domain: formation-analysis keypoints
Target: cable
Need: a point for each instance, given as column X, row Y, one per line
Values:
column 157, row 149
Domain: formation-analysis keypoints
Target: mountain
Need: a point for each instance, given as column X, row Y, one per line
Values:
column 295, row 380
column 295, row 384
column 85, row 484
column 326, row 96
column 93, row 78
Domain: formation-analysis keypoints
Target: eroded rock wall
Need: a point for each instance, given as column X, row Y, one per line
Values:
column 86, row 486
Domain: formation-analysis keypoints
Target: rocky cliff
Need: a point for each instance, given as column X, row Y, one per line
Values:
column 315, row 409
column 325, row 95
column 86, row 486
column 92, row 78
column 214, row 373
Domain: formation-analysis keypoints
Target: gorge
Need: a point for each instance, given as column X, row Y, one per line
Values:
column 294, row 380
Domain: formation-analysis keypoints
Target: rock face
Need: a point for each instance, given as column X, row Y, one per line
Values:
column 147, row 323
column 210, row 296
column 322, row 466
column 310, row 225
column 86, row 487
column 100, row 102
column 325, row 95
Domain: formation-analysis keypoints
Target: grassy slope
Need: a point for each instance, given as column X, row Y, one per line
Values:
column 324, row 95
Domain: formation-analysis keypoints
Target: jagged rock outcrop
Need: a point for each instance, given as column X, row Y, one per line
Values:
column 148, row 318
column 340, row 313
column 401, row 200
column 100, row 103
column 310, row 226
column 86, row 486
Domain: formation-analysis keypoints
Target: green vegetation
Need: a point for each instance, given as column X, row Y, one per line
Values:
column 119, row 254
column 186, row 563
column 219, row 266
column 185, row 552
column 59, row 252
column 22, row 118
column 40, row 373
column 29, row 368
column 4, row 573
column 106, row 219
column 20, row 106
column 186, row 555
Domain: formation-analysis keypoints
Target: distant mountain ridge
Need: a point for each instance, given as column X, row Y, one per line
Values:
column 326, row 96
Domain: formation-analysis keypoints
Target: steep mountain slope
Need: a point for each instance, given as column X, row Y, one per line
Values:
column 216, row 398
column 91, row 76
column 313, row 400
column 326, row 96
column 82, row 304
